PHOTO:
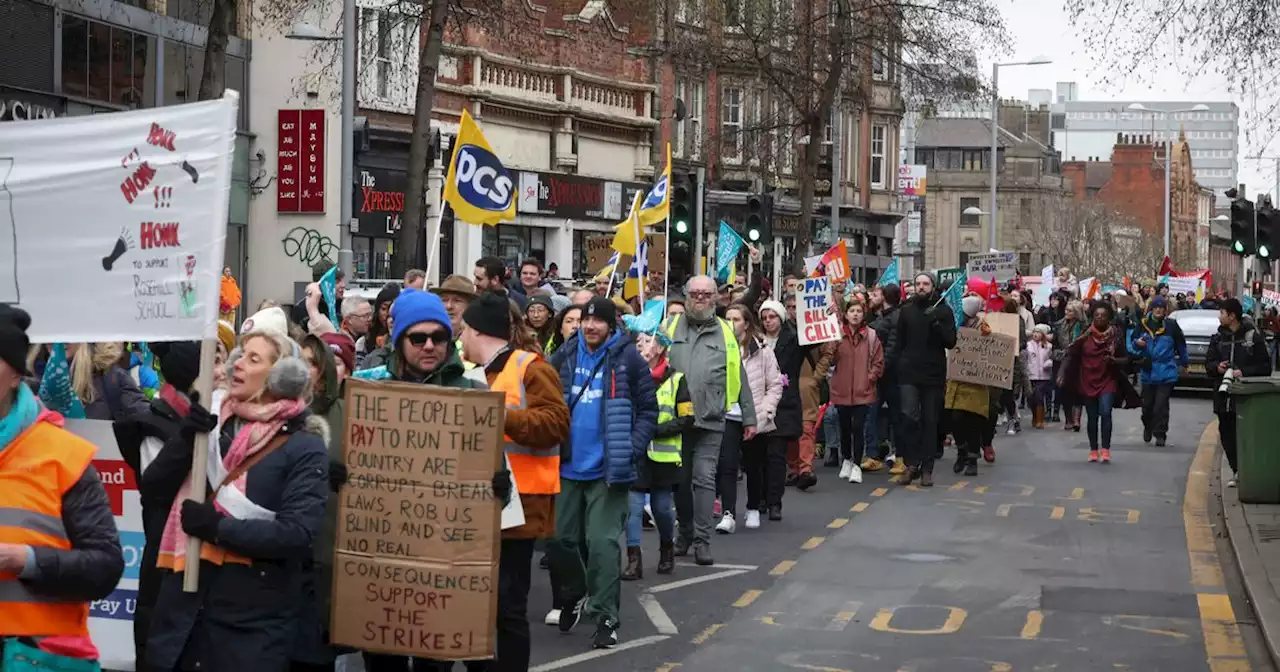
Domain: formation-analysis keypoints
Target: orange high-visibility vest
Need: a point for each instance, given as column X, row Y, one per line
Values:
column 36, row 470
column 535, row 471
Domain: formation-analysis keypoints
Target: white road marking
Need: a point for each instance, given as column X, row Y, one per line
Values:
column 694, row 581
column 598, row 653
column 720, row 565
column 657, row 615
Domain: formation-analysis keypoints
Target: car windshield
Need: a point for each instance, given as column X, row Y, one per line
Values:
column 1197, row 322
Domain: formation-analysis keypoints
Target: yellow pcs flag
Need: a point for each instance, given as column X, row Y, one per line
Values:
column 478, row 187
column 654, row 208
column 627, row 232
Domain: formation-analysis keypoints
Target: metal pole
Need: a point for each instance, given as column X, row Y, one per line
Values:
column 836, row 167
column 698, row 205
column 995, row 150
column 1168, row 152
column 1275, row 275
column 348, row 128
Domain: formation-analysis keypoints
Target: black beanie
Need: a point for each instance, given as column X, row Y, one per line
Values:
column 179, row 363
column 13, row 338
column 388, row 294
column 490, row 315
column 603, row 308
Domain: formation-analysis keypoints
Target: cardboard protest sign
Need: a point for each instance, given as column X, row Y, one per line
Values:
column 600, row 248
column 986, row 360
column 113, row 226
column 416, row 559
column 1002, row 265
column 816, row 312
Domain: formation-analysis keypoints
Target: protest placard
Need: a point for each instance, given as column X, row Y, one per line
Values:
column 1186, row 285
column 983, row 360
column 816, row 313
column 1270, row 298
column 1002, row 265
column 600, row 248
column 416, row 559
column 113, row 226
column 946, row 275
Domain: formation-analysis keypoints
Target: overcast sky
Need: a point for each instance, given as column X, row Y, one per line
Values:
column 1043, row 28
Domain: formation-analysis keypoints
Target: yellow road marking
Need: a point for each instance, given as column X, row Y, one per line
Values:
column 747, row 598
column 880, row 492
column 813, row 543
column 1076, row 493
column 782, row 568
column 667, row 667
column 842, row 619
column 958, row 486
column 860, row 507
column 1031, row 629
column 838, row 523
column 883, row 621
column 711, row 630
column 1222, row 643
column 980, row 490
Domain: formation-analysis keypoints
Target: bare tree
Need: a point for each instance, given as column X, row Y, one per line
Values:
column 1093, row 240
column 213, row 73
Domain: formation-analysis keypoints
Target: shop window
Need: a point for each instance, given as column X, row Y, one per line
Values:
column 75, row 55
column 106, row 63
column 968, row 221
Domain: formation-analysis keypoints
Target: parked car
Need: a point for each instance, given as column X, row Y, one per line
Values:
column 1197, row 327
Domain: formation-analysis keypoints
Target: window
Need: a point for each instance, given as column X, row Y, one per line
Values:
column 677, row 149
column 388, row 76
column 1024, row 263
column 689, row 11
column 879, row 64
column 975, row 160
column 105, row 63
column 968, row 221
column 731, row 124
column 737, row 15
column 694, row 110
column 782, row 12
column 964, row 259
column 878, row 141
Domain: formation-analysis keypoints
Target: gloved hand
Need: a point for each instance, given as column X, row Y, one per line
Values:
column 502, row 486
column 200, row 520
column 199, row 419
column 337, row 475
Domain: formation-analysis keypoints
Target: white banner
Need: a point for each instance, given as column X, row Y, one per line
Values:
column 816, row 312
column 1183, row 285
column 1270, row 298
column 1002, row 265
column 112, row 226
column 111, row 618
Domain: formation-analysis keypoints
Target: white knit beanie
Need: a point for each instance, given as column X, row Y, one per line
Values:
column 775, row 306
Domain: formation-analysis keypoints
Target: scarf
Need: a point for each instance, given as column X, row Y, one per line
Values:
column 659, row 371
column 175, row 399
column 261, row 422
column 1100, row 337
column 1150, row 321
column 22, row 414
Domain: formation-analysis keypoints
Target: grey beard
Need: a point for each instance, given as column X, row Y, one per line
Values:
column 704, row 315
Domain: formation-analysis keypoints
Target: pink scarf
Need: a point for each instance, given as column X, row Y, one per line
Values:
column 263, row 421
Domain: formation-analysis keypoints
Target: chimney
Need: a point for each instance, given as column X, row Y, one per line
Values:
column 1119, row 138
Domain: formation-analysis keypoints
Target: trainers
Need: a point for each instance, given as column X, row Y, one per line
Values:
column 872, row 464
column 570, row 616
column 855, row 474
column 715, row 509
column 891, row 457
column 806, row 481
column 1231, row 483
column 727, row 524
column 1093, row 456
column 846, row 468
column 606, row 634
column 971, row 469
column 753, row 519
column 1011, row 430
column 1160, row 442
column 552, row 617
column 1105, row 456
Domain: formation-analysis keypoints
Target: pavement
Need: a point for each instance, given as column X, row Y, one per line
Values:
column 1044, row 562
column 1253, row 531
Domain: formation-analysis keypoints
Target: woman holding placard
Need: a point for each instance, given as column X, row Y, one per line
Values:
column 268, row 454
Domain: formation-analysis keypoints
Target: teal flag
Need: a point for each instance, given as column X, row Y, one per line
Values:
column 953, row 296
column 55, row 386
column 727, row 247
column 890, row 276
column 329, row 292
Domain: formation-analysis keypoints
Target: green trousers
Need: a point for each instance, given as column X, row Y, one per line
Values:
column 593, row 514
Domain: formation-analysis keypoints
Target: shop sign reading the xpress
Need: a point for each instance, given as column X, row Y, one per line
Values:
column 416, row 560
column 574, row 197
column 379, row 202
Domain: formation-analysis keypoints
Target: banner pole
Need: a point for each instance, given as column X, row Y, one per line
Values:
column 666, row 258
column 435, row 241
column 639, row 263
column 199, row 463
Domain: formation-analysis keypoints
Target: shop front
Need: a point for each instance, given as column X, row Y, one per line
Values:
column 379, row 202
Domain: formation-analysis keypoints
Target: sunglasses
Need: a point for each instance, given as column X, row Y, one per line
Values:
column 419, row 339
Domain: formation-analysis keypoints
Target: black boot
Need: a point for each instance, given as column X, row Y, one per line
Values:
column 681, row 548
column 960, row 460
column 666, row 558
column 971, row 467
column 702, row 555
column 635, row 565
column 775, row 512
column 926, row 478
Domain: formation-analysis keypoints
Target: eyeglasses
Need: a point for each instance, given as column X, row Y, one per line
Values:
column 701, row 295
column 419, row 339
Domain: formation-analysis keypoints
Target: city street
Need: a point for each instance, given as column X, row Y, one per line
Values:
column 1044, row 562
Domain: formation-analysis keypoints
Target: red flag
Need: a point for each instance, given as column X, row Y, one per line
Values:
column 1128, row 284
column 1166, row 267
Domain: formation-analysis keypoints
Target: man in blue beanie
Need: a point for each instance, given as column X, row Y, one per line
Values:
column 422, row 344
column 1158, row 345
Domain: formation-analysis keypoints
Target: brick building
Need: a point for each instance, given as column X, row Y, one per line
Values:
column 563, row 92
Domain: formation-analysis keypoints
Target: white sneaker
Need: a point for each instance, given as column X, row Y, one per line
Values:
column 753, row 519
column 891, row 458
column 846, row 468
column 1230, row 484
column 727, row 524
column 855, row 474
column 553, row 617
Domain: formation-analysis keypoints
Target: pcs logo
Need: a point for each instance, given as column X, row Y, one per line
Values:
column 481, row 179
column 657, row 195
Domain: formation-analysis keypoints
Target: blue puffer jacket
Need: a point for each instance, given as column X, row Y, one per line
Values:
column 1166, row 350
column 630, row 405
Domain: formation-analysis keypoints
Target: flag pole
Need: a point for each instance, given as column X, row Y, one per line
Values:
column 666, row 258
column 435, row 241
column 639, row 263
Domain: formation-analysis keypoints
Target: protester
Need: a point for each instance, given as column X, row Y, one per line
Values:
column 531, row 279
column 859, row 363
column 658, row 472
column 1067, row 331
column 1039, row 361
column 705, row 349
column 104, row 389
column 789, row 300
column 1239, row 347
column 564, row 326
column 141, row 439
column 299, row 315
column 969, row 404
column 675, row 305
column 765, row 382
column 540, row 318
column 259, row 529
column 885, row 306
column 611, row 398
column 1161, row 350
column 47, row 475
column 1093, row 374
column 789, row 420
column 415, row 278
column 926, row 330
column 536, row 423
column 1008, row 398
column 376, row 346
column 357, row 319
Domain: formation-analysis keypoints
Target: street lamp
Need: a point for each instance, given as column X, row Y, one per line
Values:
column 1168, row 163
column 995, row 134
column 311, row 33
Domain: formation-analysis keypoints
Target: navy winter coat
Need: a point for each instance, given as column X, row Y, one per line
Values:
column 630, row 405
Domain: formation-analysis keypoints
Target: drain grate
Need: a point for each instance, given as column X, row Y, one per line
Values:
column 1268, row 533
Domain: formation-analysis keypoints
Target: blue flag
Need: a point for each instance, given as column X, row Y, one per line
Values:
column 890, row 275
column 1246, row 302
column 727, row 248
column 953, row 296
column 650, row 319
column 329, row 292
column 55, row 386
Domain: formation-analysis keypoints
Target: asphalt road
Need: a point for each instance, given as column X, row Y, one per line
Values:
column 1042, row 563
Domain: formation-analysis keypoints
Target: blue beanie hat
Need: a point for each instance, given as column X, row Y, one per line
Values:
column 1158, row 302
column 415, row 306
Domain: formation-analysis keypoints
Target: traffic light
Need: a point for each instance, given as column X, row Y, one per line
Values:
column 1256, row 289
column 684, row 190
column 759, row 223
column 1242, row 214
column 1268, row 230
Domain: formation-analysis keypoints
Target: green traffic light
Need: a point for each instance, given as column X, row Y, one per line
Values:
column 754, row 235
column 1238, row 246
column 1264, row 252
column 682, row 227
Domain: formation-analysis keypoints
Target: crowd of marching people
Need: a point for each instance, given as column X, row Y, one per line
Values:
column 618, row 420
